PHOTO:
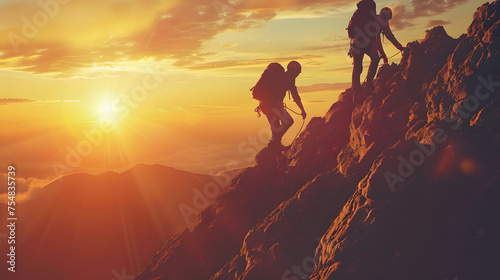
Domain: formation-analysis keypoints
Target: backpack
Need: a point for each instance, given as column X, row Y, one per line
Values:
column 361, row 18
column 271, row 84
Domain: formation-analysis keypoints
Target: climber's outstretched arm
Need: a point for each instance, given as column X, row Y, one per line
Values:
column 298, row 101
column 388, row 33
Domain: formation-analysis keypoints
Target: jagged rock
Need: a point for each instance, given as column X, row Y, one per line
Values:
column 270, row 158
column 292, row 228
column 403, row 185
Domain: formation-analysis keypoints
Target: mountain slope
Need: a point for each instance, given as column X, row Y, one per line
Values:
column 402, row 186
column 90, row 227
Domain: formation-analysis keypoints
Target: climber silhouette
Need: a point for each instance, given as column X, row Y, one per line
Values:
column 364, row 29
column 270, row 90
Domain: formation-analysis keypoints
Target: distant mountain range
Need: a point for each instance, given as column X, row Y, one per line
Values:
column 101, row 227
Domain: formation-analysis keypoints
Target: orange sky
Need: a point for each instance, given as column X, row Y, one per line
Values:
column 172, row 77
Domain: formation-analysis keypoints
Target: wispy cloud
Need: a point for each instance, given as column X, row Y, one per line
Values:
column 438, row 22
column 24, row 187
column 58, row 101
column 86, row 34
column 242, row 63
column 332, row 47
column 341, row 69
column 230, row 46
column 10, row 101
column 323, row 87
column 405, row 15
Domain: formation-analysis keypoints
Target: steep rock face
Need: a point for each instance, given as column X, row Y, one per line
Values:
column 436, row 222
column 294, row 227
column 402, row 186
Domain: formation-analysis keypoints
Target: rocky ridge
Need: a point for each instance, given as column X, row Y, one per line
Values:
column 402, row 186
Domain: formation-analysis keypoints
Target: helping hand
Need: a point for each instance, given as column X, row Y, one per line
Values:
column 304, row 115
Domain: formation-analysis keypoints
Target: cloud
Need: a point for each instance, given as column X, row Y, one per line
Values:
column 405, row 15
column 438, row 22
column 340, row 69
column 242, row 63
column 83, row 35
column 230, row 46
column 341, row 46
column 24, row 187
column 58, row 101
column 323, row 87
column 331, row 43
column 8, row 101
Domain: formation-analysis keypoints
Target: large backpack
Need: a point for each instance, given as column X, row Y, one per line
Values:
column 271, row 84
column 361, row 18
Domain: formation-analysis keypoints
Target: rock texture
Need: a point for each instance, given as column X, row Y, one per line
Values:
column 402, row 186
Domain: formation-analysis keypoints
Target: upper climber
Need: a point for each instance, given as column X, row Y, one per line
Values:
column 270, row 90
column 364, row 30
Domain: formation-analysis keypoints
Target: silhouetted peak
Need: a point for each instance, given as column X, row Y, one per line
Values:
column 436, row 33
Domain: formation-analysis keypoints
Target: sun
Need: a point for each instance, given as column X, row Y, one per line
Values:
column 108, row 113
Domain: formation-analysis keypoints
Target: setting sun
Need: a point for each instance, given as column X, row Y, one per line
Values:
column 109, row 114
